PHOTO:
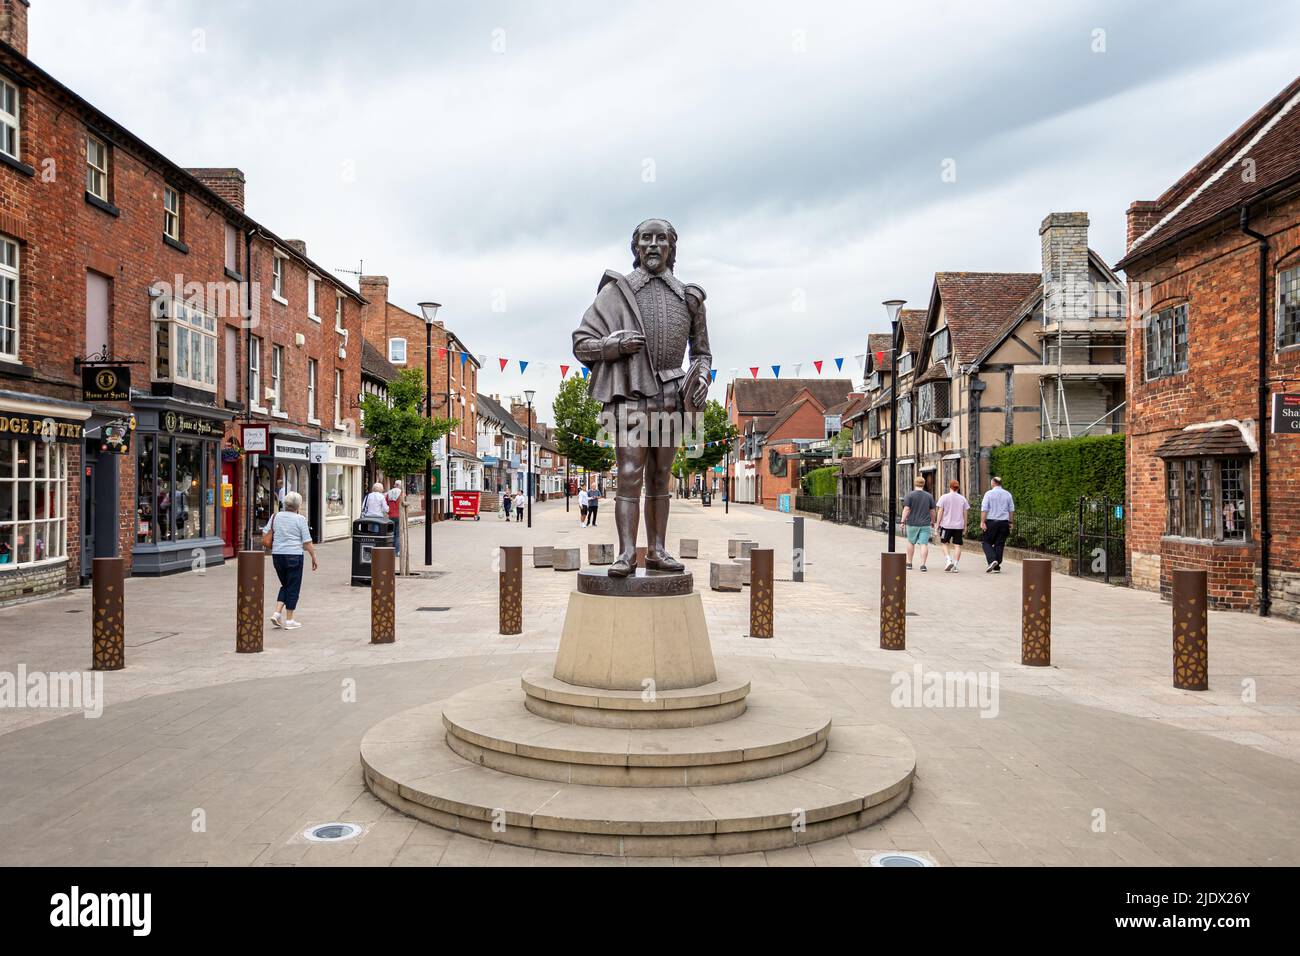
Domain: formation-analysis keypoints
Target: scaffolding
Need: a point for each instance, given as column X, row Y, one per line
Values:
column 1082, row 342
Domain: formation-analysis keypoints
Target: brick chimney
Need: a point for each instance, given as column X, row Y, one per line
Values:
column 228, row 183
column 1066, row 292
column 13, row 24
column 1142, row 215
column 297, row 245
column 374, row 314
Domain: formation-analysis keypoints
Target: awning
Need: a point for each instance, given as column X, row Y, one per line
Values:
column 1217, row 440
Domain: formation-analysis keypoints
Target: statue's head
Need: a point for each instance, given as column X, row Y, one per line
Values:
column 654, row 246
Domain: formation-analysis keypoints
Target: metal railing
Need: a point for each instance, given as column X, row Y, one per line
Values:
column 846, row 509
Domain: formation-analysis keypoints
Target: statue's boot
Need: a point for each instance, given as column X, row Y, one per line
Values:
column 627, row 515
column 657, row 557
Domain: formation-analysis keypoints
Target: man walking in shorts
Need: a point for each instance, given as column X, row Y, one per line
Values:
column 952, row 509
column 918, row 518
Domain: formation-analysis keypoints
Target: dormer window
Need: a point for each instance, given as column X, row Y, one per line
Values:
column 939, row 345
column 905, row 362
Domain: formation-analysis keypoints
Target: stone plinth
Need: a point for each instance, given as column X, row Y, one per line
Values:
column 600, row 554
column 621, row 643
column 724, row 576
column 543, row 556
column 566, row 559
column 641, row 583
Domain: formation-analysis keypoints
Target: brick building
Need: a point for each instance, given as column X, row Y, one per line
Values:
column 402, row 337
column 786, row 436
column 1214, row 265
column 111, row 251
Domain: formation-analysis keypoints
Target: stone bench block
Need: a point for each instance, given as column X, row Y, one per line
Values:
column 746, row 547
column 690, row 548
column 600, row 554
column 733, row 546
column 724, row 576
column 743, row 565
column 543, row 555
column 567, row 559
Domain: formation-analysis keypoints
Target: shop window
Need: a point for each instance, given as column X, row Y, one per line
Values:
column 1208, row 498
column 336, row 491
column 185, row 345
column 33, row 502
column 187, row 497
column 145, row 527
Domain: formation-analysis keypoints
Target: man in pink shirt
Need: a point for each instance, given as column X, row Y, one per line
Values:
column 951, row 510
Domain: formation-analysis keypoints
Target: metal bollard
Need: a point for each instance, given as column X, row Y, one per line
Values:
column 1036, row 612
column 383, row 596
column 511, row 591
column 893, row 601
column 1191, row 631
column 108, row 616
column 760, row 592
column 798, row 550
column 250, row 602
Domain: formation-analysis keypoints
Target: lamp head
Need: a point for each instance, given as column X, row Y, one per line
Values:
column 528, row 395
column 430, row 310
column 893, row 307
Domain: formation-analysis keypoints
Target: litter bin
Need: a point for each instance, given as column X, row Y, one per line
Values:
column 368, row 533
column 706, row 498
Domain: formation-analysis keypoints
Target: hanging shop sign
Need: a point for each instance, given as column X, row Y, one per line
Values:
column 105, row 383
column 115, row 437
column 41, row 427
column 256, row 439
column 177, row 424
column 320, row 452
column 1286, row 414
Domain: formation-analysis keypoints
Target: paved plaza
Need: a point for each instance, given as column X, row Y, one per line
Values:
column 207, row 757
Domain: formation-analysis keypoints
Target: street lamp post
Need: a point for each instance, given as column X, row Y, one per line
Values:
column 528, row 479
column 430, row 310
column 893, row 307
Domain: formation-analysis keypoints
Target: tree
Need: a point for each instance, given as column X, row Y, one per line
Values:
column 578, row 414
column 711, row 447
column 402, row 438
column 842, row 444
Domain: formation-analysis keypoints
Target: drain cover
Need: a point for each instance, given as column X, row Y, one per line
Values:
column 331, row 832
column 899, row 858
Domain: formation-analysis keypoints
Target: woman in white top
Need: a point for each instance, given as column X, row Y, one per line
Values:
column 290, row 537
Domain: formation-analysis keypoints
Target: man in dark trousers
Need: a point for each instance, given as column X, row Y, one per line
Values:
column 997, row 516
column 593, row 505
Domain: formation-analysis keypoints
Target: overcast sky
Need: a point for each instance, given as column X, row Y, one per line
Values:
column 496, row 156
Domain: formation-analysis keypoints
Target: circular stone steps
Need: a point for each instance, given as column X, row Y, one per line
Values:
column 552, row 698
column 864, row 775
column 485, row 725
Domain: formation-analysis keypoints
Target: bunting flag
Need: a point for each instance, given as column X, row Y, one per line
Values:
column 713, row 375
column 503, row 362
column 862, row 361
column 482, row 360
column 798, row 368
column 880, row 358
column 523, row 365
column 442, row 355
column 753, row 370
column 585, row 371
column 564, row 371
column 464, row 357
column 776, row 371
column 839, row 364
column 818, row 365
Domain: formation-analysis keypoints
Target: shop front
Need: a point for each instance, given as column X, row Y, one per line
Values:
column 40, row 441
column 287, row 468
column 178, row 514
column 343, row 463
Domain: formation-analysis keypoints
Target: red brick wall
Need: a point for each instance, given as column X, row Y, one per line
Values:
column 1216, row 274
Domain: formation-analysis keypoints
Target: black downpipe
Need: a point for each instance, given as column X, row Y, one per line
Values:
column 1261, row 431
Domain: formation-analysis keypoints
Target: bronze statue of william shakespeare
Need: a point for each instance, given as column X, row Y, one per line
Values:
column 634, row 338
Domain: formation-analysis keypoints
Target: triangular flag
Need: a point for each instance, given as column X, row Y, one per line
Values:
column 861, row 360
column 776, row 371
column 585, row 371
column 482, row 360
column 522, row 365
column 753, row 370
column 839, row 365
column 442, row 355
column 464, row 357
column 564, row 371
column 818, row 365
column 797, row 369
column 713, row 375
column 503, row 363
column 880, row 358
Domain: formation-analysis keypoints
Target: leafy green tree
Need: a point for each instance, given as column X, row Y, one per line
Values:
column 842, row 444
column 578, row 414
column 401, row 437
column 717, row 428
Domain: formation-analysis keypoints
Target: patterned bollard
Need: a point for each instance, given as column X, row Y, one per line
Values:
column 1036, row 612
column 893, row 601
column 383, row 596
column 251, row 602
column 1191, row 631
column 511, row 593
column 108, row 616
column 760, row 592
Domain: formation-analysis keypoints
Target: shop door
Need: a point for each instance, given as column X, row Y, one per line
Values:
column 228, row 529
column 315, row 503
column 99, row 509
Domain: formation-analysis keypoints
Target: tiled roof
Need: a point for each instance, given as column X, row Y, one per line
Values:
column 783, row 415
column 375, row 365
column 913, row 323
column 493, row 410
column 1194, row 442
column 978, row 304
column 1216, row 186
column 853, row 467
column 855, row 408
column 879, row 342
column 766, row 396
column 842, row 408
column 938, row 372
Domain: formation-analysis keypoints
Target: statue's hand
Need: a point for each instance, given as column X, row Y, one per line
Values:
column 631, row 343
column 700, row 392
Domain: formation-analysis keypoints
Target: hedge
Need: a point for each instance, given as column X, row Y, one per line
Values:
column 820, row 481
